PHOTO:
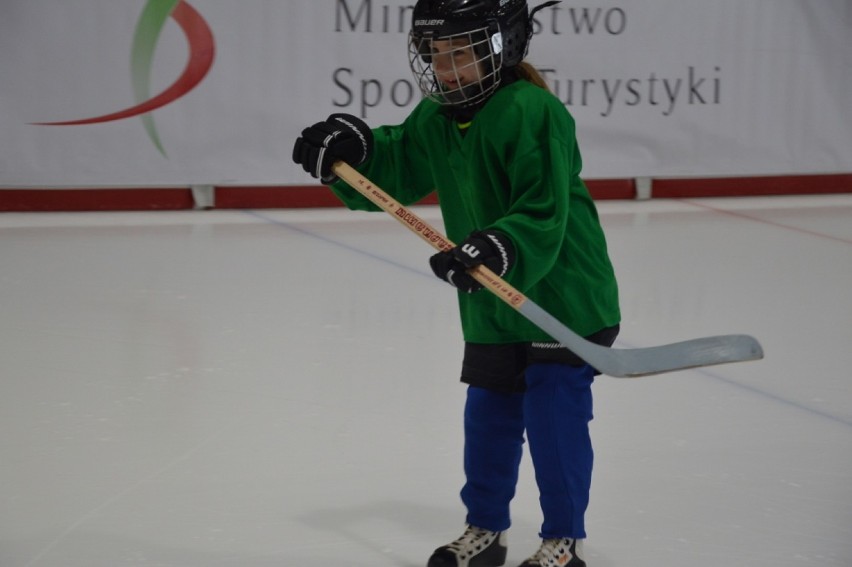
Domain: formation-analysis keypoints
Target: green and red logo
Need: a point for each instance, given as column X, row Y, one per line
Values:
column 202, row 51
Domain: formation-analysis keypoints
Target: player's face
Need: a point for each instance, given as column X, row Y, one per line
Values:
column 455, row 62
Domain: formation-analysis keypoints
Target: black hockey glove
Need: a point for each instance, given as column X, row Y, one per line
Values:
column 488, row 247
column 339, row 137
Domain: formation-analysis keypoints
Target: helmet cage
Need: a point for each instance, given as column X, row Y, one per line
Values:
column 486, row 45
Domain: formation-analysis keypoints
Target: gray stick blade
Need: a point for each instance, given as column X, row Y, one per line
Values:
column 695, row 353
column 628, row 363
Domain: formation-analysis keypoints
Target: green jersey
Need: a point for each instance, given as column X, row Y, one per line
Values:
column 515, row 170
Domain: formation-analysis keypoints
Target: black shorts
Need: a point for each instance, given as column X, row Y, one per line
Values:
column 501, row 367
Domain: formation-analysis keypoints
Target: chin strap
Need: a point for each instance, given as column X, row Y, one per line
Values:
column 542, row 7
column 532, row 14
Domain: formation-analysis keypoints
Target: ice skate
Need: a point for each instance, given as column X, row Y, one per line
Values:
column 477, row 547
column 564, row 552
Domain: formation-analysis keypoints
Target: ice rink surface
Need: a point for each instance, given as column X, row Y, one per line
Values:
column 280, row 388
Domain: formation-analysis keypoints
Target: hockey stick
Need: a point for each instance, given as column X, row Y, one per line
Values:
column 620, row 363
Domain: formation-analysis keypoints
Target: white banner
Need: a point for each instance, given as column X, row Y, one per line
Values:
column 183, row 92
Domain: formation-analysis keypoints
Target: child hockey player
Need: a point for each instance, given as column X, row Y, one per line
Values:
column 501, row 151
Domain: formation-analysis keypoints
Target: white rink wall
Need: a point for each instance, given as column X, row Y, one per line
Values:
column 659, row 88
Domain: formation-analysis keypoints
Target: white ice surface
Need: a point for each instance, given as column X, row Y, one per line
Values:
column 279, row 388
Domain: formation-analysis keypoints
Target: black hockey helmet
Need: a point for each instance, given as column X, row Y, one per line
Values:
column 498, row 31
column 445, row 18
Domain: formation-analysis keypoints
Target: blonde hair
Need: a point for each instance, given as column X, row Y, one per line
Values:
column 530, row 74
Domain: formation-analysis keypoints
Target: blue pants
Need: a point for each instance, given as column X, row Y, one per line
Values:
column 555, row 412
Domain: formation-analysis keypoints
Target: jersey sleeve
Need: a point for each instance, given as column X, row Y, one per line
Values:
column 397, row 166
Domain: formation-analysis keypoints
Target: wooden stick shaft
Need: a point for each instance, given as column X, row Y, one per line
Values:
column 424, row 230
